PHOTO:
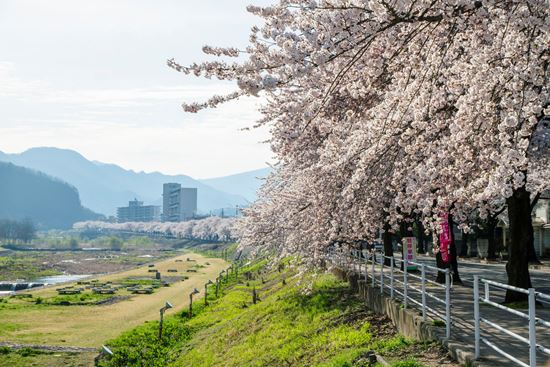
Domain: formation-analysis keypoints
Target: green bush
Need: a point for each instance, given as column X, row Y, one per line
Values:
column 141, row 347
column 27, row 352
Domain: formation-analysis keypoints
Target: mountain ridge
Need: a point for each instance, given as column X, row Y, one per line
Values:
column 245, row 184
column 47, row 201
column 105, row 186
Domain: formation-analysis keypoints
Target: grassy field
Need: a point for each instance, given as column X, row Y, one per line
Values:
column 23, row 266
column 24, row 321
column 310, row 320
column 30, row 265
column 32, row 358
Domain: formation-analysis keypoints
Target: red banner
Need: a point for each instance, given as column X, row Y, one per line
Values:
column 444, row 237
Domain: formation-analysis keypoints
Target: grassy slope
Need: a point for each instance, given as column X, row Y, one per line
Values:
column 328, row 326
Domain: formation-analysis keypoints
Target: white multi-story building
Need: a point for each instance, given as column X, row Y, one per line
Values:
column 137, row 212
column 178, row 203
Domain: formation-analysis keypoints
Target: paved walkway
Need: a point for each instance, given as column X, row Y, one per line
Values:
column 462, row 310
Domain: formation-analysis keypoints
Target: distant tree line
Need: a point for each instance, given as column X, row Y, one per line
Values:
column 208, row 229
column 13, row 230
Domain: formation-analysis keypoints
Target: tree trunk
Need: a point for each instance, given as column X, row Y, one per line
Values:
column 453, row 258
column 464, row 247
column 521, row 239
column 491, row 249
column 388, row 246
column 421, row 237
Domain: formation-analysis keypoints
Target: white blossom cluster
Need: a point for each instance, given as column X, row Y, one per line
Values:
column 385, row 110
column 210, row 229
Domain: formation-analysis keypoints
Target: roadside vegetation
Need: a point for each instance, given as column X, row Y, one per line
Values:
column 297, row 320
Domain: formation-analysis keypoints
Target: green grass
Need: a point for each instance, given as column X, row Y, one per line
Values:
column 27, row 267
column 28, row 301
column 27, row 357
column 75, row 299
column 327, row 326
column 212, row 249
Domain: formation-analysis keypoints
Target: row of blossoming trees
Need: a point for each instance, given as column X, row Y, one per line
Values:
column 208, row 229
column 383, row 112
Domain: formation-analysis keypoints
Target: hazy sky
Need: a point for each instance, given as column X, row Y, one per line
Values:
column 92, row 76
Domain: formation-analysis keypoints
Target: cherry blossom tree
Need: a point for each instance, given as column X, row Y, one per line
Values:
column 383, row 111
column 209, row 229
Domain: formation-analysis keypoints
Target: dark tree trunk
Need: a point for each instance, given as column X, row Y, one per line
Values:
column 464, row 247
column 491, row 227
column 453, row 258
column 421, row 238
column 521, row 239
column 388, row 246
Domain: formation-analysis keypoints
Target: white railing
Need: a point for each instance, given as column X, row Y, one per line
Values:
column 533, row 321
column 409, row 286
column 396, row 280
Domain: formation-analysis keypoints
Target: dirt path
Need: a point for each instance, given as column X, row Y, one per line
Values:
column 91, row 326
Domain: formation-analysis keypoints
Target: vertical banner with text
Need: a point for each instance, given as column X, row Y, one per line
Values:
column 444, row 237
column 409, row 251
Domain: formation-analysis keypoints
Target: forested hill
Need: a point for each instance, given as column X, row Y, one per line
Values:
column 48, row 202
column 104, row 187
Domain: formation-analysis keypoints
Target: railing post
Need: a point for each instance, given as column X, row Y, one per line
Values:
column 532, row 329
column 373, row 263
column 448, row 304
column 391, row 277
column 476, row 316
column 423, row 276
column 487, row 292
column 405, row 296
column 382, row 275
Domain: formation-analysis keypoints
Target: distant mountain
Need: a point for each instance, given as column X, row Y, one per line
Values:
column 104, row 187
column 245, row 184
column 49, row 202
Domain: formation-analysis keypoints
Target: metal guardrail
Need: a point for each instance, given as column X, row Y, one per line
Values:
column 533, row 321
column 408, row 284
column 402, row 282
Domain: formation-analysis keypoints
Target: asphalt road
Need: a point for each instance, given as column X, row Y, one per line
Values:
column 496, row 272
